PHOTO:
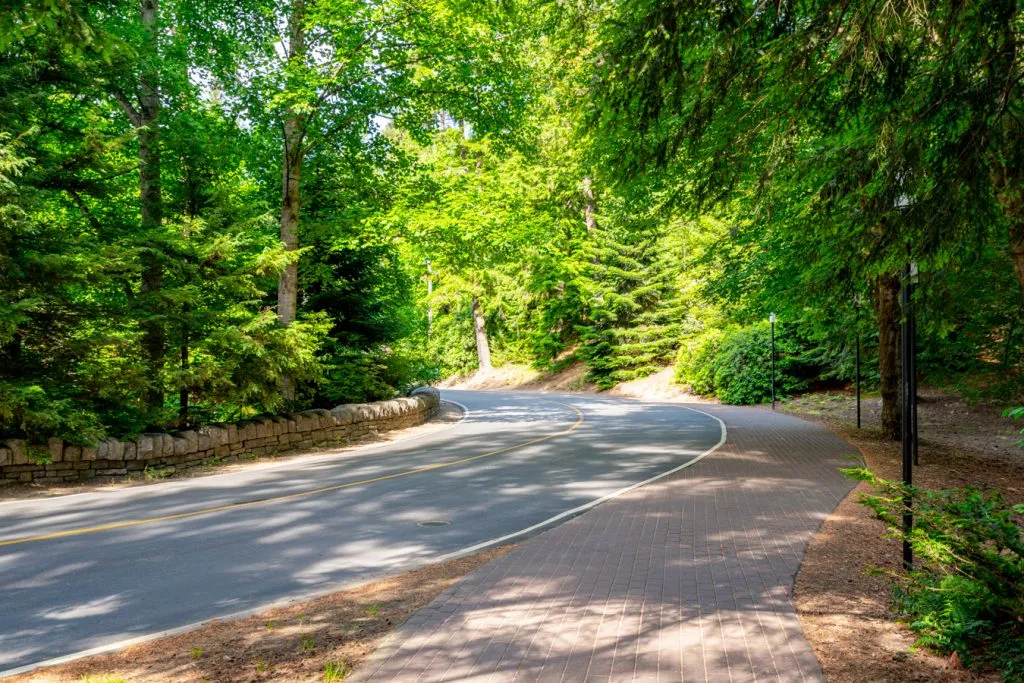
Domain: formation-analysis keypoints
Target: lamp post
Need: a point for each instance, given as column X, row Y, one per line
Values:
column 857, row 302
column 913, row 361
column 908, row 357
column 771, row 319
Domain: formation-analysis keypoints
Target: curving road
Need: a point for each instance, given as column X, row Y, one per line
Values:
column 90, row 571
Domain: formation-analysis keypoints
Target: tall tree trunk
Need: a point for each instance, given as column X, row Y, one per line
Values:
column 183, row 393
column 483, row 349
column 1010, row 195
column 589, row 205
column 1009, row 187
column 590, row 220
column 147, row 120
column 430, row 298
column 294, row 123
column 887, row 310
column 1017, row 253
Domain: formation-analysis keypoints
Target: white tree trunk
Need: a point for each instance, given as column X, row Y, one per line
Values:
column 483, row 349
column 589, row 205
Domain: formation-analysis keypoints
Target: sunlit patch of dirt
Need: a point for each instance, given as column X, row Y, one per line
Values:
column 659, row 386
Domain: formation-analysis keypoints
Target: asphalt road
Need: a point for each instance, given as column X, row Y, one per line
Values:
column 70, row 580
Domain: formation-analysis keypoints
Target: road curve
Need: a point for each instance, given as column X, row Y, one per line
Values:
column 90, row 571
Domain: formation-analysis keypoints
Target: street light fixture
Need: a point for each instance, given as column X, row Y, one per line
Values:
column 771, row 319
column 858, row 301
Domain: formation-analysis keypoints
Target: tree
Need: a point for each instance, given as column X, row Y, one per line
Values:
column 348, row 64
column 823, row 119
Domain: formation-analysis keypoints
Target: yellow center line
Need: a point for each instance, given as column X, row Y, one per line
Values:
column 292, row 496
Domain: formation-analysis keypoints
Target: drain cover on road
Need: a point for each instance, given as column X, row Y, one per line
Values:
column 433, row 522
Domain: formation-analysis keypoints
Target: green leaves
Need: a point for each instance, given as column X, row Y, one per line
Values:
column 967, row 591
column 1017, row 414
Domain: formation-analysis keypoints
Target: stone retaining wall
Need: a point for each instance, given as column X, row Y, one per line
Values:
column 58, row 461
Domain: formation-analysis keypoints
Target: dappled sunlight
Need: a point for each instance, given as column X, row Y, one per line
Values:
column 686, row 578
column 93, row 608
column 188, row 569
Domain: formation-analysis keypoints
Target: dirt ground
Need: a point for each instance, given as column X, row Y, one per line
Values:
column 321, row 640
column 656, row 387
column 446, row 416
column 845, row 610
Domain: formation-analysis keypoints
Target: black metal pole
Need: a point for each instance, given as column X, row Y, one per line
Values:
column 906, row 423
column 773, row 361
column 913, row 368
column 856, row 328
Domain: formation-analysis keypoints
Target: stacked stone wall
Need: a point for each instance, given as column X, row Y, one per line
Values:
column 58, row 461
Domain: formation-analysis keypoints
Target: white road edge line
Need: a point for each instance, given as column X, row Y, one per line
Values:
column 594, row 503
column 311, row 460
column 120, row 645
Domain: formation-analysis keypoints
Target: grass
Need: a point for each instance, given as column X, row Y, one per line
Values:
column 307, row 644
column 336, row 671
column 101, row 678
column 372, row 610
column 152, row 474
column 197, row 652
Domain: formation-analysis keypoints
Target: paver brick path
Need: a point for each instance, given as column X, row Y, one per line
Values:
column 686, row 579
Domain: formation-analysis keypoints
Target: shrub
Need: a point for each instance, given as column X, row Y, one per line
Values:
column 735, row 364
column 966, row 592
column 1017, row 414
column 695, row 361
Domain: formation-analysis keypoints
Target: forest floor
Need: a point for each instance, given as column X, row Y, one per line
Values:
column 447, row 415
column 320, row 640
column 846, row 608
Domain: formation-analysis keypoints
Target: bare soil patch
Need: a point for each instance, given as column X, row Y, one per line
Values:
column 301, row 642
column 447, row 415
column 846, row 611
column 572, row 379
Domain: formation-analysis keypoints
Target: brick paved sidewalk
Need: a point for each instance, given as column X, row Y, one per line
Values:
column 689, row 578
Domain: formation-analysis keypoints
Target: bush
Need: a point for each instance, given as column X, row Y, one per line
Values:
column 966, row 593
column 695, row 361
column 1016, row 414
column 735, row 364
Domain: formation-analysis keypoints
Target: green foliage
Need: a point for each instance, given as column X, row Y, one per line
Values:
column 101, row 678
column 734, row 364
column 621, row 184
column 695, row 361
column 1017, row 414
column 336, row 671
column 966, row 593
column 632, row 324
